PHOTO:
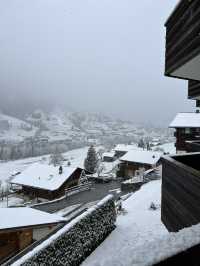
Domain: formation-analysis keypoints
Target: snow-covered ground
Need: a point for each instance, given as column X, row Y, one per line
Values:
column 167, row 148
column 67, row 210
column 11, row 201
column 137, row 226
column 7, row 169
column 75, row 157
column 13, row 129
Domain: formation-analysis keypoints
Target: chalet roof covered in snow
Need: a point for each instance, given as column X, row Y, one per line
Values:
column 43, row 176
column 126, row 148
column 26, row 217
column 110, row 154
column 186, row 120
column 143, row 157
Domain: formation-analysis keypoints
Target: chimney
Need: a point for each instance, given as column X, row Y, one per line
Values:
column 60, row 170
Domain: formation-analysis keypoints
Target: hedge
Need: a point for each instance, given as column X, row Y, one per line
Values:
column 76, row 240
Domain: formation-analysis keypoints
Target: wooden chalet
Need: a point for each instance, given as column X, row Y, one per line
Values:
column 187, row 126
column 47, row 181
column 181, row 176
column 135, row 160
column 21, row 227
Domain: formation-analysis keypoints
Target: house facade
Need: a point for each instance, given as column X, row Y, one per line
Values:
column 187, row 130
column 181, row 173
column 21, row 227
column 133, row 161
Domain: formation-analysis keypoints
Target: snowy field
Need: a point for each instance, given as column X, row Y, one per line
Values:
column 76, row 158
column 136, row 227
column 167, row 148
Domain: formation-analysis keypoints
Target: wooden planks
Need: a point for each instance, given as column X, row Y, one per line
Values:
column 180, row 194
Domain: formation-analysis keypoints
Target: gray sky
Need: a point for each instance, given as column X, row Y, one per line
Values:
column 91, row 55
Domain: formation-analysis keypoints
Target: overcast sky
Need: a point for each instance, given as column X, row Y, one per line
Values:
column 91, row 55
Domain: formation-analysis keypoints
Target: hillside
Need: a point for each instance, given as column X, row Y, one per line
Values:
column 15, row 130
column 42, row 132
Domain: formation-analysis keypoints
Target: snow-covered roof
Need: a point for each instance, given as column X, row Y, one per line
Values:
column 186, row 120
column 134, row 180
column 43, row 176
column 110, row 154
column 144, row 157
column 126, row 148
column 24, row 216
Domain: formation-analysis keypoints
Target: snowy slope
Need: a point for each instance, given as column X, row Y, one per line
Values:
column 13, row 129
column 44, row 132
column 7, row 169
column 73, row 127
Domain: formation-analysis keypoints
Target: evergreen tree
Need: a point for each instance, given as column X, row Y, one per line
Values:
column 141, row 144
column 91, row 160
column 148, row 146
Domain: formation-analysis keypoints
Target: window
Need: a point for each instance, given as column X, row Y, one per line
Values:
column 187, row 131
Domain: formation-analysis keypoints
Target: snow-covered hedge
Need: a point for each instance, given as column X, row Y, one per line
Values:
column 74, row 242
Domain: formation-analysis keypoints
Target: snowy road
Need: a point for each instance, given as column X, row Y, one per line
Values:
column 98, row 192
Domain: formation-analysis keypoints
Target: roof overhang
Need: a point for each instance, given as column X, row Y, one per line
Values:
column 36, row 226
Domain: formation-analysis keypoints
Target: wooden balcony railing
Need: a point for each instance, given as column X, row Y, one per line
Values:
column 181, row 191
column 193, row 146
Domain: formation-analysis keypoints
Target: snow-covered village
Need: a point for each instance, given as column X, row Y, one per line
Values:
column 99, row 151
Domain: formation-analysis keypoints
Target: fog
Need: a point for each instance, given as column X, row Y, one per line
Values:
column 100, row 56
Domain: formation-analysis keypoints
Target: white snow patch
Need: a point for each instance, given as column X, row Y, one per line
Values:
column 139, row 226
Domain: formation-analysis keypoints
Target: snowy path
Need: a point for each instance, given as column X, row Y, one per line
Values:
column 140, row 225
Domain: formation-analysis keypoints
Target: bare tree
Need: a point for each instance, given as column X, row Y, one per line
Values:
column 56, row 158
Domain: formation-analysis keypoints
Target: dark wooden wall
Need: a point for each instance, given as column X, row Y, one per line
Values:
column 109, row 159
column 13, row 242
column 189, row 257
column 180, row 193
column 182, row 137
column 193, row 146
